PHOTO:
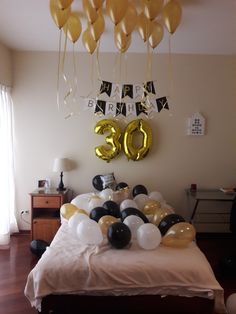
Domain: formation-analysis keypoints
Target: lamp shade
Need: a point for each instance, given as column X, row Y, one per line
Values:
column 61, row 164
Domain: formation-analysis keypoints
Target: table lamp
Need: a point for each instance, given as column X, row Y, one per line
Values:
column 60, row 165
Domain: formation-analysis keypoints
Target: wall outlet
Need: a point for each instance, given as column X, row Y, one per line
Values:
column 24, row 212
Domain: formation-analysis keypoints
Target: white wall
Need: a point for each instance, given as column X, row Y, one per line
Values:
column 5, row 66
column 201, row 83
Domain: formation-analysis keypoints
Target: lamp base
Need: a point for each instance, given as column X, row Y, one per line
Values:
column 61, row 189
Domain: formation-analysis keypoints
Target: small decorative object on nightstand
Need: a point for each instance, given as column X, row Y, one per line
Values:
column 45, row 212
column 60, row 165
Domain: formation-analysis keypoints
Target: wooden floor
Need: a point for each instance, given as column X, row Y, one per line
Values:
column 16, row 263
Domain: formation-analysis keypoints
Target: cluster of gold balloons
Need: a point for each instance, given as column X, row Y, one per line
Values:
column 179, row 235
column 125, row 17
column 113, row 147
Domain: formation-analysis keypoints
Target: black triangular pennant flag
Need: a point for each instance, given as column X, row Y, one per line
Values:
column 106, row 87
column 121, row 108
column 149, row 88
column 127, row 90
column 140, row 108
column 162, row 103
column 100, row 106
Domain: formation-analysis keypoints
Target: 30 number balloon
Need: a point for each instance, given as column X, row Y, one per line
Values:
column 113, row 139
column 131, row 151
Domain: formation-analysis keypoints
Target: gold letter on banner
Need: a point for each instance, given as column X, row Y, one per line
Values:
column 131, row 151
column 112, row 139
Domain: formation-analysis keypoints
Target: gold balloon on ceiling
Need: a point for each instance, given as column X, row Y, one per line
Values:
column 125, row 15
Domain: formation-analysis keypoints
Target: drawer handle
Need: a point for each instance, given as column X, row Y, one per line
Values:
column 47, row 202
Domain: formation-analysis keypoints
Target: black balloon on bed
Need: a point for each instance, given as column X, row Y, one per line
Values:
column 168, row 221
column 139, row 189
column 133, row 211
column 98, row 212
column 119, row 235
column 113, row 208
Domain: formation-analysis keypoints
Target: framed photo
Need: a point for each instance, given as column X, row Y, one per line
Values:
column 43, row 184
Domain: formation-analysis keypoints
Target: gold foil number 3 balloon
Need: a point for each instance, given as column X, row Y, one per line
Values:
column 113, row 149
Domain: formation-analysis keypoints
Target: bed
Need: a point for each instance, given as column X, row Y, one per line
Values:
column 74, row 278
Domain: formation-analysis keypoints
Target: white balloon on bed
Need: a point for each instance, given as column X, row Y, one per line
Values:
column 95, row 202
column 128, row 203
column 75, row 220
column 106, row 194
column 148, row 236
column 133, row 222
column 156, row 196
column 141, row 200
column 89, row 232
column 82, row 201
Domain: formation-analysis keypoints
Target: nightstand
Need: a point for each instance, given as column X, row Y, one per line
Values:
column 45, row 212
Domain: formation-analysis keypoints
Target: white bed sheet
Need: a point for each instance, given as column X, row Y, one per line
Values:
column 67, row 267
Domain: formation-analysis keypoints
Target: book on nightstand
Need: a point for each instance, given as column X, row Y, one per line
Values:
column 228, row 190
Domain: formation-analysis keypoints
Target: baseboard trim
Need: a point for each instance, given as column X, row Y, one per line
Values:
column 21, row 232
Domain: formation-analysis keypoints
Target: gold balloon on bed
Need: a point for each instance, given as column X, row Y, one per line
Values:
column 68, row 209
column 124, row 15
column 179, row 235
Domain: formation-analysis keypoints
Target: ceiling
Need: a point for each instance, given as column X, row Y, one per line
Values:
column 207, row 27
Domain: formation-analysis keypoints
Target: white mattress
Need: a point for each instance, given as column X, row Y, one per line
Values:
column 67, row 267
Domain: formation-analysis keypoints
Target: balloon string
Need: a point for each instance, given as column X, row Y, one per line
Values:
column 91, row 76
column 63, row 73
column 97, row 62
column 58, row 71
column 126, row 72
column 170, row 67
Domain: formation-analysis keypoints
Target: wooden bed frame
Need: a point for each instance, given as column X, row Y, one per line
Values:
column 145, row 304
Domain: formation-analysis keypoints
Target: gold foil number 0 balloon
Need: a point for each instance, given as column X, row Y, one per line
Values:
column 137, row 152
column 113, row 147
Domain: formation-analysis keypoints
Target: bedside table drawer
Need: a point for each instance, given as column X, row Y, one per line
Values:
column 46, row 202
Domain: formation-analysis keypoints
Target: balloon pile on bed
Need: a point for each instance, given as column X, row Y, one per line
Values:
column 121, row 219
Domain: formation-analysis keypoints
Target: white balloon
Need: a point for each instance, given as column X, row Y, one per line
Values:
column 95, row 202
column 106, row 194
column 231, row 304
column 133, row 222
column 148, row 236
column 156, row 196
column 141, row 200
column 89, row 232
column 82, row 201
column 75, row 219
column 128, row 203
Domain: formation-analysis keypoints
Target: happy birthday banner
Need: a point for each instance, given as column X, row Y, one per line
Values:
column 144, row 92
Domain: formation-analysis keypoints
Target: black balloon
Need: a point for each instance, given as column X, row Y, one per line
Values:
column 98, row 212
column 113, row 208
column 133, row 211
column 98, row 183
column 139, row 189
column 38, row 247
column 119, row 235
column 169, row 221
column 121, row 186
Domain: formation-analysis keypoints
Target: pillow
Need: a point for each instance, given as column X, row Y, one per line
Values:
column 108, row 181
